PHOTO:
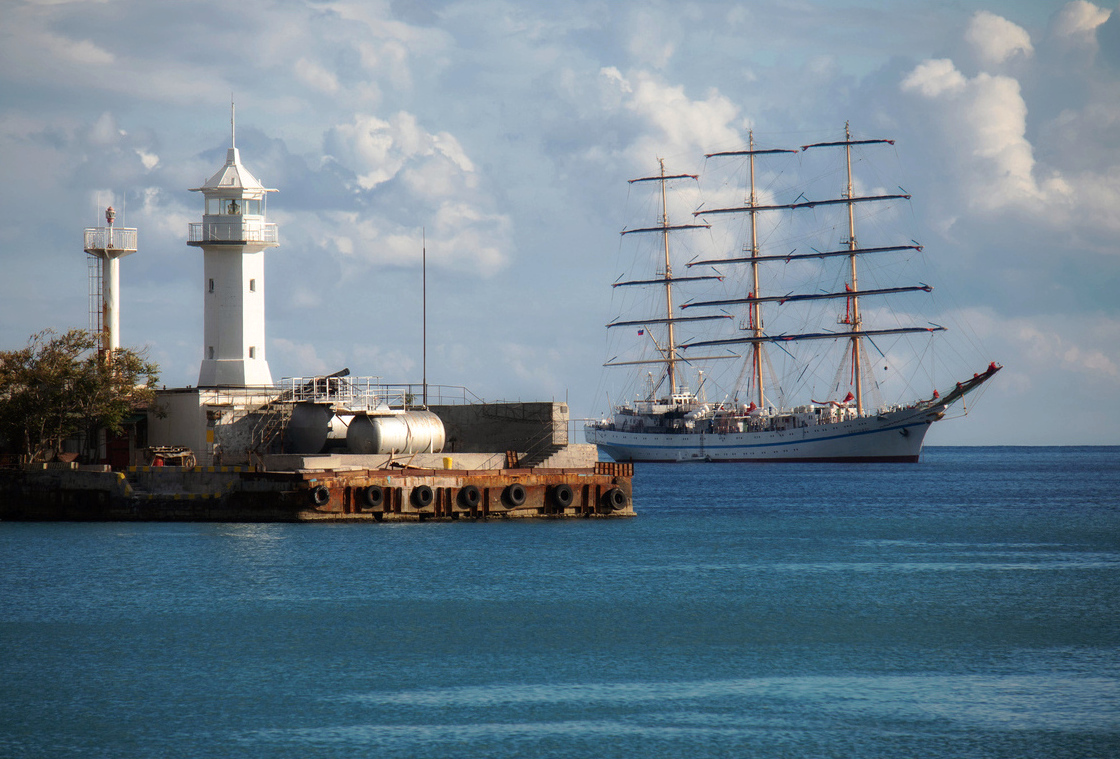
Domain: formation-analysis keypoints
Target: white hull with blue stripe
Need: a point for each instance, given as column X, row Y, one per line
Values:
column 893, row 437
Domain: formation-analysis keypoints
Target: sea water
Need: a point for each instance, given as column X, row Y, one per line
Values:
column 966, row 606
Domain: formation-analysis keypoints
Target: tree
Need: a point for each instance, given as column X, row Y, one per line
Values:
column 60, row 385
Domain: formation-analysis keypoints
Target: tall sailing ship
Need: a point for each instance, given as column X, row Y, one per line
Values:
column 668, row 422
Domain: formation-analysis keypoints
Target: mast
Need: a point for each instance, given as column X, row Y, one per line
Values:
column 856, row 320
column 852, row 317
column 671, row 348
column 669, row 351
column 755, row 311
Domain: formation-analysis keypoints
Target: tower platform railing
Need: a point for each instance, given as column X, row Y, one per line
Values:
column 110, row 238
column 232, row 232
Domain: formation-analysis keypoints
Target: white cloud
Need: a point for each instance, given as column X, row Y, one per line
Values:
column 647, row 43
column 304, row 355
column 377, row 150
column 615, row 79
column 105, row 130
column 316, row 76
column 150, row 160
column 983, row 122
column 434, row 185
column 935, row 78
column 1086, row 344
column 670, row 121
column 80, row 52
column 1078, row 20
column 995, row 39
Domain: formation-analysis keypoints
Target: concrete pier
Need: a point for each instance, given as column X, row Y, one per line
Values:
column 333, row 491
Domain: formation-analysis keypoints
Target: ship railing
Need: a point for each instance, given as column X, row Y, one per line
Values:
column 232, row 231
column 577, row 428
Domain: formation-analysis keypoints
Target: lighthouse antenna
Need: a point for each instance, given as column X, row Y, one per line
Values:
column 424, row 307
column 232, row 124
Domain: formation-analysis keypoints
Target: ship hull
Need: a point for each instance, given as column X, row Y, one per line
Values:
column 893, row 437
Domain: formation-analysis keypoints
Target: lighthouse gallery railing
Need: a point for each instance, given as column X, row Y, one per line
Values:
column 224, row 231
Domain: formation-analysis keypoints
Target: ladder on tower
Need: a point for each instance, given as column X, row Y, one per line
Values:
column 96, row 304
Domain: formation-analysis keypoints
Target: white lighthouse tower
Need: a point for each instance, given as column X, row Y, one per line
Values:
column 233, row 236
column 105, row 247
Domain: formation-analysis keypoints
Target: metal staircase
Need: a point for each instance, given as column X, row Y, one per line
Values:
column 273, row 420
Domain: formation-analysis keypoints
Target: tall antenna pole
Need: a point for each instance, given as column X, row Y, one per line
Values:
column 232, row 124
column 424, row 277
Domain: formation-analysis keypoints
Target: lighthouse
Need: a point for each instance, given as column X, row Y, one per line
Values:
column 233, row 235
column 105, row 247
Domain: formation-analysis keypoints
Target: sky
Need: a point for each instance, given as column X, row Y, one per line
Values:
column 499, row 137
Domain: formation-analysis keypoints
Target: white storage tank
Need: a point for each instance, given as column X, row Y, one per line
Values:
column 337, row 428
column 409, row 432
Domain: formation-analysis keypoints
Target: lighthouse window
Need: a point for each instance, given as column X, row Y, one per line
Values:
column 211, row 285
column 252, row 285
column 252, row 206
column 210, row 352
column 215, row 206
column 252, row 351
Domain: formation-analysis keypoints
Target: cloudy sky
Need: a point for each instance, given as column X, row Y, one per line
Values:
column 505, row 132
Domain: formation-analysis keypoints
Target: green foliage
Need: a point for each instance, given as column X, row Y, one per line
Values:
column 58, row 386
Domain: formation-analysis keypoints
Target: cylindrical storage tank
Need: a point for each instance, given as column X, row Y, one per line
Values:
column 410, row 432
column 336, row 433
column 336, row 427
column 308, row 428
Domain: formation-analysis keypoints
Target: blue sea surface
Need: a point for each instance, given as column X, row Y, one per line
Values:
column 966, row 606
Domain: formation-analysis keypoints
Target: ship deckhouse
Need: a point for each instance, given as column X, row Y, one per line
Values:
column 233, row 235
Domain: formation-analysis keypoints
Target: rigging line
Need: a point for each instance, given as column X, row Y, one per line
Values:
column 804, row 369
column 876, row 347
column 775, row 380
